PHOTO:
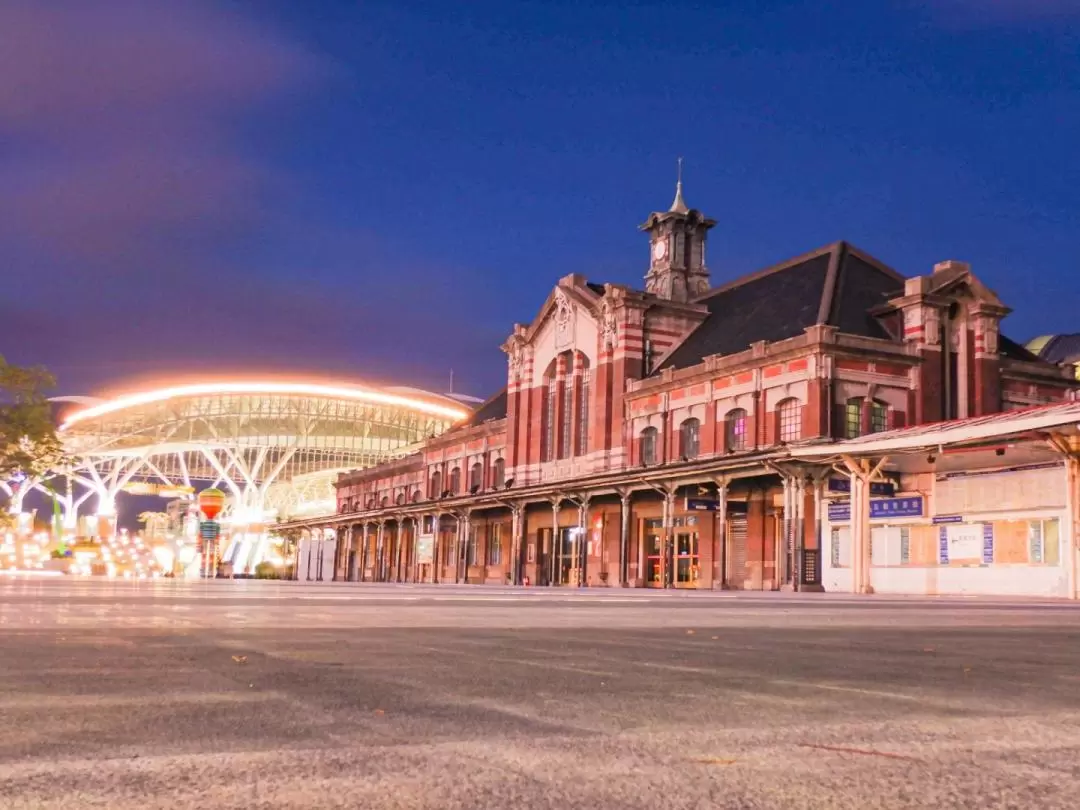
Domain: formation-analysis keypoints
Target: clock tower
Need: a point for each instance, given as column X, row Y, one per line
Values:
column 677, row 268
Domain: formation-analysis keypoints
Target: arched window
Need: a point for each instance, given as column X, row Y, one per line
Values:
column 436, row 485
column 648, row 445
column 690, row 438
column 455, row 481
column 853, row 418
column 583, row 416
column 735, row 429
column 567, row 419
column 879, row 417
column 385, row 502
column 548, row 439
column 498, row 473
column 789, row 420
column 416, row 496
column 401, row 499
column 476, row 477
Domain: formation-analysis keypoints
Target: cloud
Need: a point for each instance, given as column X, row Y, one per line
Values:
column 135, row 212
column 119, row 119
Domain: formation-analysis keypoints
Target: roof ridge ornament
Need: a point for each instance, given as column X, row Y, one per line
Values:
column 678, row 206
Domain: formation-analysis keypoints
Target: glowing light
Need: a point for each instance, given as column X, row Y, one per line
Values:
column 301, row 389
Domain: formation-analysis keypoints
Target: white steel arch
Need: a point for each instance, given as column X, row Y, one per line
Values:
column 275, row 447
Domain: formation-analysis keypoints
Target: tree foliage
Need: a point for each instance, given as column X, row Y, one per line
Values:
column 29, row 444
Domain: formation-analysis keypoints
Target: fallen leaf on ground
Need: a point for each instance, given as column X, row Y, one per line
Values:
column 689, row 632
column 929, row 649
column 717, row 761
column 715, row 638
column 240, row 659
column 379, row 711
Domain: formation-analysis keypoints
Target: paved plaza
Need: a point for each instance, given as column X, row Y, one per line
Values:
column 278, row 695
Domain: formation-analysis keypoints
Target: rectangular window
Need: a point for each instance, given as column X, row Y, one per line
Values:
column 853, row 419
column 1044, row 542
column 495, row 545
column 879, row 417
column 790, row 421
column 549, row 422
column 567, row 418
column 583, row 416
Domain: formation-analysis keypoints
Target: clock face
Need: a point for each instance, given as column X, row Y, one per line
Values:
column 659, row 250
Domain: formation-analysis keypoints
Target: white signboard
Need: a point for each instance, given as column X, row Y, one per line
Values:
column 965, row 541
column 425, row 549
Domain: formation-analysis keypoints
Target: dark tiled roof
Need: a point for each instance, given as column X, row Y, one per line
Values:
column 1059, row 349
column 836, row 285
column 494, row 408
column 1014, row 351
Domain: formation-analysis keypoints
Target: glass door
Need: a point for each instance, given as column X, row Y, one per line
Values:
column 687, row 560
column 654, row 553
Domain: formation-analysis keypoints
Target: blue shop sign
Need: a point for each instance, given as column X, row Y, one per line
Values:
column 885, row 488
column 880, row 508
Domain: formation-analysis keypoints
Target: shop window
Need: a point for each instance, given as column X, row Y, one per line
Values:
column 495, row 545
column 853, row 418
column 840, row 547
column 498, row 473
column 648, row 445
column 879, row 417
column 789, row 416
column 735, row 430
column 455, row 481
column 476, row 477
column 1044, row 547
column 690, row 438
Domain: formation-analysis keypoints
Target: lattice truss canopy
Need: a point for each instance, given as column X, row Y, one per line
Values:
column 253, row 440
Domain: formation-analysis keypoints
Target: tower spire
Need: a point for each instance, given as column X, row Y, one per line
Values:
column 679, row 205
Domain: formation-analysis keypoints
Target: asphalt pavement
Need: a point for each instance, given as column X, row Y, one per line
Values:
column 280, row 695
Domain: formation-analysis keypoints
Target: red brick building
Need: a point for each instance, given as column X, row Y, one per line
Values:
column 640, row 438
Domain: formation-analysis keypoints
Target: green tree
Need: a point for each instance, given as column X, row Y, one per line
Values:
column 29, row 444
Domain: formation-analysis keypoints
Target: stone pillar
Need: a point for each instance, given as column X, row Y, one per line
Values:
column 720, row 556
column 1071, row 529
column 556, row 546
column 380, row 539
column 667, row 556
column 581, row 547
column 624, row 539
column 515, row 544
column 466, row 537
column 364, row 553
column 799, row 529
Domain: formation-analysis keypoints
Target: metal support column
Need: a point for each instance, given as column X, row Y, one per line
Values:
column 556, row 544
column 624, row 539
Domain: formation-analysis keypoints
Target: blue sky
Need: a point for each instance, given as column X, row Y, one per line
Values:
column 377, row 191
